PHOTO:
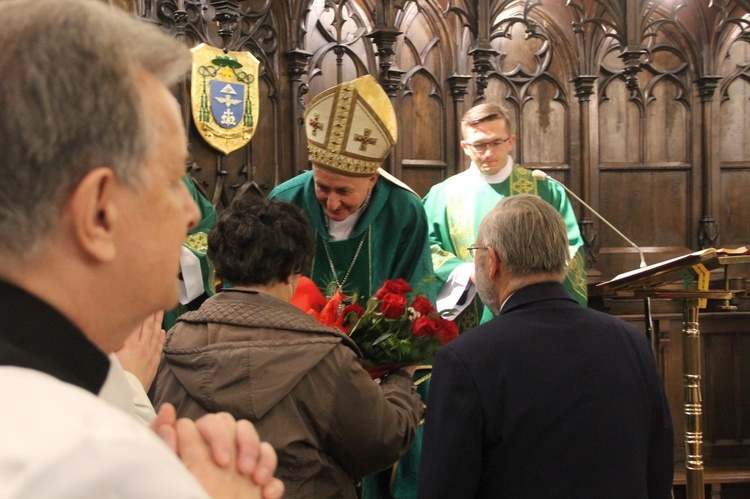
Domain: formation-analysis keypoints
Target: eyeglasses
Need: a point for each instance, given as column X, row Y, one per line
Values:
column 480, row 147
column 473, row 250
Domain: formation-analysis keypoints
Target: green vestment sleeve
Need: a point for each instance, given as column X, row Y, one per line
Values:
column 197, row 242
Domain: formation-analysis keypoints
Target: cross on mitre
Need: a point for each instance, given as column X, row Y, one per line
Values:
column 365, row 139
column 315, row 124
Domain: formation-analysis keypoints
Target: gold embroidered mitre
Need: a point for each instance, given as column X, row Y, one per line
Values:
column 351, row 127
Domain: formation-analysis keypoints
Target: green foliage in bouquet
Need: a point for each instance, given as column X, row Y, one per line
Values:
column 396, row 329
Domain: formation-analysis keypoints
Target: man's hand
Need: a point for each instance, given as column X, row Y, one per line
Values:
column 141, row 352
column 220, row 481
column 232, row 447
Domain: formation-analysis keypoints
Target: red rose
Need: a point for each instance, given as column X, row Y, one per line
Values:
column 349, row 316
column 399, row 287
column 447, row 330
column 423, row 326
column 422, row 305
column 393, row 305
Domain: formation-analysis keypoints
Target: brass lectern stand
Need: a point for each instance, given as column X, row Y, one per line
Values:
column 652, row 282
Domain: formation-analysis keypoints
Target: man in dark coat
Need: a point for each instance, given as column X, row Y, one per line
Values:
column 548, row 399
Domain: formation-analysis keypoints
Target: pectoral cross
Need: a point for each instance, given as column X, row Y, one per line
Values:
column 365, row 139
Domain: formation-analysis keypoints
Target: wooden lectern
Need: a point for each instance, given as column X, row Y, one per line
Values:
column 657, row 281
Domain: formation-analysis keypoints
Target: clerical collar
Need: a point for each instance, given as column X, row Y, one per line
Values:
column 36, row 336
column 498, row 177
column 339, row 231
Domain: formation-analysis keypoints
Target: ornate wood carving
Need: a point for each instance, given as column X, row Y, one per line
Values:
column 643, row 73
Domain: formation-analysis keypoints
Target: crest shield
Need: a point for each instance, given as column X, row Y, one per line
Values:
column 224, row 96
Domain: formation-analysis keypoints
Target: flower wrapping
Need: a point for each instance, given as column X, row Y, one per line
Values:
column 394, row 329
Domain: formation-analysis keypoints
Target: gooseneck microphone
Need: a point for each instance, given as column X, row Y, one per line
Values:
column 540, row 175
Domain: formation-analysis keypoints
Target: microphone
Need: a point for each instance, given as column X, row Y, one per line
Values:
column 540, row 175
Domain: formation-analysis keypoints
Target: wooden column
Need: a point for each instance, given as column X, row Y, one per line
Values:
column 584, row 86
column 708, row 231
column 459, row 88
column 390, row 78
column 482, row 50
column 297, row 61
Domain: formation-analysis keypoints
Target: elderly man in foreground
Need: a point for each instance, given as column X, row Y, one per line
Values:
column 548, row 399
column 93, row 213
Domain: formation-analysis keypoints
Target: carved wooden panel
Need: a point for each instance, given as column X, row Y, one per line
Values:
column 421, row 175
column 734, row 151
column 501, row 90
column 545, row 144
column 421, row 56
column 640, row 203
column 735, row 206
column 725, row 342
column 667, row 125
column 727, row 395
column 418, row 135
column 734, row 123
column 619, row 125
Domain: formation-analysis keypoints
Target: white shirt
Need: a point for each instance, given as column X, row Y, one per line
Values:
column 60, row 441
column 497, row 178
column 124, row 390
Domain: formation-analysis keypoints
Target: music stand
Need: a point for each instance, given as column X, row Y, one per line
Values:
column 653, row 281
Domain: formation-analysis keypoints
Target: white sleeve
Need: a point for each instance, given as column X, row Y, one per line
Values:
column 458, row 290
column 123, row 469
column 123, row 390
column 57, row 440
column 191, row 284
column 143, row 408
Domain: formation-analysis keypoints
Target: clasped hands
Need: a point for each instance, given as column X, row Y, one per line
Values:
column 225, row 455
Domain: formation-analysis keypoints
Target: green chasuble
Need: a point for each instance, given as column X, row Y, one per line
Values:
column 455, row 208
column 197, row 242
column 391, row 238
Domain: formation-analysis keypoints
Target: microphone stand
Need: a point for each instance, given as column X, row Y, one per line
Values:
column 540, row 175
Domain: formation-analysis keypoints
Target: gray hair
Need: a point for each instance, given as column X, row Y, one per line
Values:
column 528, row 234
column 70, row 103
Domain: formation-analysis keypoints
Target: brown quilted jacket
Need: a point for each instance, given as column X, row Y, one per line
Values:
column 300, row 383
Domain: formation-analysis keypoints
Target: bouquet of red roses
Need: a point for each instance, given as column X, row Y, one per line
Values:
column 394, row 329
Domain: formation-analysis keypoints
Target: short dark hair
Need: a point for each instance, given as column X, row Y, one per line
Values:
column 487, row 111
column 260, row 241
